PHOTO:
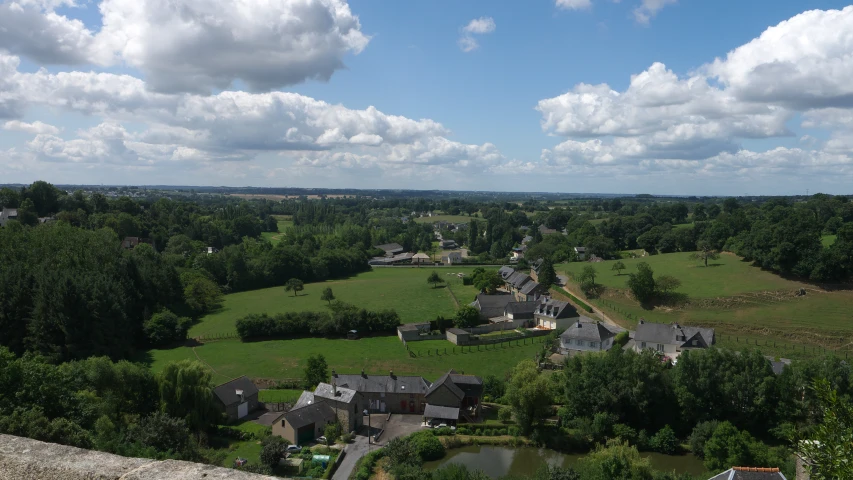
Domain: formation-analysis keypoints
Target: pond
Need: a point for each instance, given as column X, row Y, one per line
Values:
column 501, row 461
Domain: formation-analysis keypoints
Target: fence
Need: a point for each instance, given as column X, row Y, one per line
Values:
column 466, row 349
column 216, row 337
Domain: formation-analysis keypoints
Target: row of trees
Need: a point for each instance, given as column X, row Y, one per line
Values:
column 341, row 320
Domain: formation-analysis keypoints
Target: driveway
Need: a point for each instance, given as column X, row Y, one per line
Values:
column 396, row 426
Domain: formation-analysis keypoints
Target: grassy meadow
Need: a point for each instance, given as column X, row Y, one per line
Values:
column 378, row 355
column 743, row 303
column 284, row 222
column 402, row 289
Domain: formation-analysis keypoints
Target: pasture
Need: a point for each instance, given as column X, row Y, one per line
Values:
column 402, row 289
column 284, row 222
column 376, row 355
column 743, row 303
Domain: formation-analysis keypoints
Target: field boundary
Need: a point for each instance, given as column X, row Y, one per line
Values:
column 484, row 347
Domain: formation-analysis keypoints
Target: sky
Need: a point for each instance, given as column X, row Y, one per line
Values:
column 681, row 97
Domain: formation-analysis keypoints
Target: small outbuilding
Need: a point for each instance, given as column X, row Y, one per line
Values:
column 457, row 336
column 237, row 398
column 303, row 425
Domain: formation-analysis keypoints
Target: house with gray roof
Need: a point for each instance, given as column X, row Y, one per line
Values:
column 390, row 249
column 386, row 393
column 750, row 473
column 505, row 271
column 7, row 214
column 301, row 426
column 530, row 292
column 671, row 339
column 236, row 398
column 588, row 335
column 581, row 253
column 554, row 314
column 348, row 404
column 454, row 395
column 491, row 306
column 413, row 331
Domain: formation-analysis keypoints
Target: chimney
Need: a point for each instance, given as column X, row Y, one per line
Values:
column 239, row 394
column 362, row 373
column 391, row 373
column 334, row 374
column 579, row 324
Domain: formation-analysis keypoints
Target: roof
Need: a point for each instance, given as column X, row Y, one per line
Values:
column 314, row 413
column 382, row 383
column 545, row 230
column 407, row 328
column 390, row 247
column 307, row 398
column 588, row 330
column 421, row 255
column 548, row 306
column 444, row 413
column 673, row 334
column 446, row 381
column 580, row 249
column 750, row 473
column 470, row 384
column 457, row 331
column 492, row 305
column 532, row 287
column 518, row 279
column 227, row 392
column 344, row 395
column 521, row 307
column 505, row 272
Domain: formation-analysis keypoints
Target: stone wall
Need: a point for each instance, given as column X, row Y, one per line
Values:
column 23, row 458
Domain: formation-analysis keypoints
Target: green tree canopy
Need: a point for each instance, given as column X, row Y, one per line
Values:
column 528, row 394
column 328, row 295
column 294, row 285
column 316, row 371
column 642, row 283
column 186, row 392
column 466, row 317
column 618, row 267
column 434, row 278
column 547, row 274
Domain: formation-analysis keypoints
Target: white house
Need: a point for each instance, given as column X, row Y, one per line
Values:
column 421, row 258
column 554, row 314
column 452, row 258
column 588, row 335
column 671, row 339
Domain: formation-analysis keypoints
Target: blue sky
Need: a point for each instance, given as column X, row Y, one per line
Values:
column 382, row 94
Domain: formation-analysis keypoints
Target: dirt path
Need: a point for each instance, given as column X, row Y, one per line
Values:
column 565, row 281
column 208, row 365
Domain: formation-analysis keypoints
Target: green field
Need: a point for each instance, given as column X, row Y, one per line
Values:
column 377, row 355
column 289, row 396
column 742, row 302
column 402, row 289
column 446, row 218
column 284, row 222
column 828, row 240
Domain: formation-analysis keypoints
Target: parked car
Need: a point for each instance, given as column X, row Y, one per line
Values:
column 294, row 448
column 322, row 440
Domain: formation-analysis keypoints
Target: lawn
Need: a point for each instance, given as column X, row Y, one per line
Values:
column 377, row 355
column 727, row 276
column 446, row 218
column 743, row 303
column 279, row 396
column 402, row 289
column 828, row 240
column 284, row 222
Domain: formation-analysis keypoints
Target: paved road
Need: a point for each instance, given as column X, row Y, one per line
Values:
column 355, row 450
column 564, row 281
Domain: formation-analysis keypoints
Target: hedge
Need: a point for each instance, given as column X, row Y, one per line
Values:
column 575, row 299
column 318, row 324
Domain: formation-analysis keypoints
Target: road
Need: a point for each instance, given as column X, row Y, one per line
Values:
column 564, row 281
column 397, row 426
column 355, row 450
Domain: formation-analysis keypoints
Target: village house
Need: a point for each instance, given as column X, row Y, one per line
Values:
column 581, row 253
column 587, row 335
column 531, row 292
column 303, row 424
column 546, row 231
column 453, row 396
column 236, row 398
column 555, row 314
column 421, row 259
column 392, row 260
column 386, row 393
column 515, row 281
column 671, row 339
column 505, row 272
column 452, row 258
column 347, row 404
column 491, row 306
column 449, row 244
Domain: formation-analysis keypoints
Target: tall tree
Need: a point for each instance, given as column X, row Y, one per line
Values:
column 618, row 267
column 528, row 393
column 642, row 283
column 294, row 285
column 316, row 371
column 186, row 392
column 828, row 449
column 547, row 274
column 587, row 279
column 466, row 317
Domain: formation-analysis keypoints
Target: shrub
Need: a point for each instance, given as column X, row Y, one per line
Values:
column 318, row 324
column 625, row 433
column 514, row 431
column 700, row 435
column 502, row 431
column 664, row 441
column 427, row 446
column 505, row 414
column 467, row 280
column 443, row 431
column 463, row 431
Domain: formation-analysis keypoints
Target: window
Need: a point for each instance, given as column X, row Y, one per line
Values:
column 591, row 344
column 660, row 347
column 643, row 345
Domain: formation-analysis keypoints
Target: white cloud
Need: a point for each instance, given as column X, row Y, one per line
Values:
column 697, row 122
column 574, row 4
column 231, row 125
column 36, row 127
column 649, row 8
column 194, row 45
column 478, row 26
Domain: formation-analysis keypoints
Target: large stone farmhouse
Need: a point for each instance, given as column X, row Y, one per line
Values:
column 387, row 393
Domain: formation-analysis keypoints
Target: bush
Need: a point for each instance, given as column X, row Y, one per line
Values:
column 463, row 431
column 467, row 280
column 625, row 433
column 514, row 431
column 427, row 446
column 364, row 466
column 664, row 441
column 318, row 324
column 165, row 328
column 700, row 435
column 505, row 414
column 502, row 431
column 443, row 431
